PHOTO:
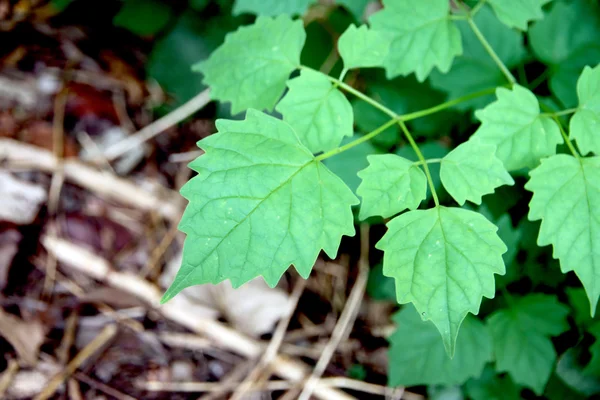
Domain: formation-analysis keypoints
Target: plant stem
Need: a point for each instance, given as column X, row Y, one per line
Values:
column 429, row 161
column 490, row 50
column 477, row 7
column 358, row 141
column 565, row 137
column 447, row 104
column 538, row 81
column 560, row 113
column 413, row 144
column 356, row 93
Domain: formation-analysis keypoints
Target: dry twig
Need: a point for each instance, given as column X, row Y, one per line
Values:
column 344, row 324
column 99, row 342
column 85, row 262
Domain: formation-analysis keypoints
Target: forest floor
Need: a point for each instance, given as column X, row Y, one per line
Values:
column 89, row 241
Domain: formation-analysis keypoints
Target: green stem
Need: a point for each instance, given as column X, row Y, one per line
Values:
column 356, row 142
column 356, row 93
column 447, row 104
column 413, row 144
column 491, row 51
column 477, row 7
column 560, row 113
column 565, row 137
column 429, row 161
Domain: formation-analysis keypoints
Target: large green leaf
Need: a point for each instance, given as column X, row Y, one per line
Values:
column 260, row 202
column 567, row 40
column 472, row 170
column 517, row 13
column 521, row 338
column 363, row 47
column 492, row 387
column 475, row 70
column 251, row 68
column 319, row 113
column 566, row 197
column 514, row 125
column 272, row 8
column 585, row 124
column 423, row 36
column 390, row 184
column 443, row 260
column 417, row 356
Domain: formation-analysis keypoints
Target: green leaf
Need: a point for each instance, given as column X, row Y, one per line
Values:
column 271, row 8
column 521, row 338
column 363, row 47
column 443, row 260
column 518, row 13
column 472, row 170
column 571, row 370
column 566, row 40
column 585, row 124
column 566, row 197
column 143, row 17
column 347, row 164
column 440, row 392
column 475, row 70
column 390, row 184
column 492, row 387
column 319, row 113
column 251, row 68
column 593, row 367
column 187, row 42
column 260, row 202
column 423, row 36
column 356, row 7
column 418, row 357
column 514, row 125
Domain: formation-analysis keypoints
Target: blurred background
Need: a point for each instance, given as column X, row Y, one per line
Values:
column 89, row 209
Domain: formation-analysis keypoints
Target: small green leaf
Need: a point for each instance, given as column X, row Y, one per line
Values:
column 363, row 47
column 417, row 356
column 571, row 370
column 472, row 170
column 518, row 13
column 260, row 202
column 319, row 113
column 272, row 8
column 585, row 124
column 521, row 338
column 143, row 17
column 251, row 68
column 444, row 261
column 581, row 306
column 475, row 70
column 492, row 387
column 423, row 36
column 566, row 197
column 566, row 40
column 390, row 184
column 514, row 125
